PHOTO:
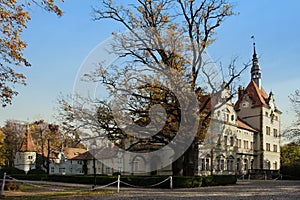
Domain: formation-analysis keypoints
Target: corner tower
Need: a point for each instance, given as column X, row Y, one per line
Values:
column 26, row 155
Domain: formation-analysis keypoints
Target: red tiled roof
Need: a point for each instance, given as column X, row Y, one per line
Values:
column 71, row 153
column 244, row 125
column 258, row 95
column 84, row 156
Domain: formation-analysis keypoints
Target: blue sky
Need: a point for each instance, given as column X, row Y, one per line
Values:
column 58, row 46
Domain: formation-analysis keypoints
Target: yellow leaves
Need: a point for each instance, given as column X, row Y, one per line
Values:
column 140, row 9
column 165, row 18
column 227, row 6
column 2, row 137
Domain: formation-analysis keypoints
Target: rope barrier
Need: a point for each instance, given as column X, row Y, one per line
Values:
column 146, row 186
column 94, row 188
column 103, row 186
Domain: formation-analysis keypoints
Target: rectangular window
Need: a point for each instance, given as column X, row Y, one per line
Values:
column 207, row 164
column 251, row 146
column 225, row 140
column 268, row 130
column 203, row 164
column 268, row 147
column 275, row 148
column 52, row 169
column 239, row 143
column 231, row 141
column 246, row 144
column 62, row 170
column 275, row 132
column 29, row 157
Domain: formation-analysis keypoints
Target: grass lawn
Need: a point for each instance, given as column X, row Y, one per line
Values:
column 34, row 192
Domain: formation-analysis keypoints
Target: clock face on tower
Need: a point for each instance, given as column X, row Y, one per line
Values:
column 245, row 104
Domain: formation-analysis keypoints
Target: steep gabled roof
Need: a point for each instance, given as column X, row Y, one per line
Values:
column 27, row 143
column 258, row 95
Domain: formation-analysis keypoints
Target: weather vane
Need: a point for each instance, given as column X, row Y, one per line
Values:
column 253, row 38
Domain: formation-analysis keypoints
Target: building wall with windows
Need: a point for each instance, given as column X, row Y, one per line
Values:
column 251, row 136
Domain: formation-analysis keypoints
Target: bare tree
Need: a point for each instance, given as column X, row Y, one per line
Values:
column 161, row 36
column 292, row 133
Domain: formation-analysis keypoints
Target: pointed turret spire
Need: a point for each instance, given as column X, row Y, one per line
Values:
column 27, row 143
column 255, row 70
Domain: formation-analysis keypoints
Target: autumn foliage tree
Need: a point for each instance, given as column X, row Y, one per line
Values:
column 14, row 17
column 2, row 149
column 48, row 138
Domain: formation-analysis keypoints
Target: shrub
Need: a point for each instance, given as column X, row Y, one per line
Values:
column 33, row 177
column 37, row 171
column 215, row 180
column 187, row 181
column 11, row 186
column 11, row 170
column 116, row 173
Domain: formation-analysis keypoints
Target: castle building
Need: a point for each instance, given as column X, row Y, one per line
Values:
column 250, row 139
column 247, row 143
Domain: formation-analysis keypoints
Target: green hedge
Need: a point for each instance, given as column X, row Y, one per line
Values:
column 32, row 177
column 37, row 171
column 215, row 180
column 11, row 170
column 146, row 181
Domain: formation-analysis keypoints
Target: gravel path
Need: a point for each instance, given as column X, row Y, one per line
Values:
column 258, row 190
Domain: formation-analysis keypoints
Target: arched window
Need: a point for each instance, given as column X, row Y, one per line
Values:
column 238, row 163
column 138, row 164
column 230, row 163
column 220, row 163
column 268, row 165
column 245, row 164
column 275, row 165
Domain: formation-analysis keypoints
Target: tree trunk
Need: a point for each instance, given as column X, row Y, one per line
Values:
column 190, row 160
column 177, row 166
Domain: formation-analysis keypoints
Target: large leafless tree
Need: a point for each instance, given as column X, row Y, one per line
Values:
column 160, row 35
